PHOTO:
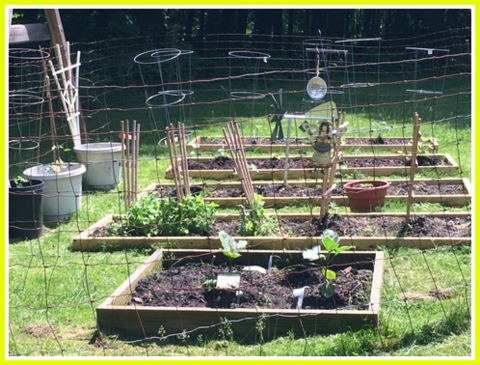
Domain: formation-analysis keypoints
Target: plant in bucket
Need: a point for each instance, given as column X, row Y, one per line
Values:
column 25, row 208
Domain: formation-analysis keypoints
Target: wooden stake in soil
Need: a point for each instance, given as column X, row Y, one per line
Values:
column 413, row 167
column 179, row 168
column 130, row 161
column 234, row 142
column 329, row 171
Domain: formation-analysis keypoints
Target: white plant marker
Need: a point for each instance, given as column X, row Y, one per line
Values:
column 299, row 294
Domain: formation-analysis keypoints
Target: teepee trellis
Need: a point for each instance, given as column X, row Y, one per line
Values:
column 131, row 140
column 179, row 167
column 234, row 141
column 67, row 85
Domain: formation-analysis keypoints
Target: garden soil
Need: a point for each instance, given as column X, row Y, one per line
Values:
column 183, row 286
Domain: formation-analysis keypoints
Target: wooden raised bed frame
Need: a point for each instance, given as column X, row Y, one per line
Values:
column 453, row 200
column 114, row 315
column 198, row 145
column 313, row 173
column 85, row 242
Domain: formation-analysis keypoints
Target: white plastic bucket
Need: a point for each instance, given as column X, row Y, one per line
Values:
column 63, row 189
column 102, row 161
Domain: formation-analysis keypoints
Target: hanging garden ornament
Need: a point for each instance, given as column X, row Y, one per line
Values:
column 316, row 88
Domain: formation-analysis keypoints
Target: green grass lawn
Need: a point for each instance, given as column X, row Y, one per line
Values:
column 53, row 291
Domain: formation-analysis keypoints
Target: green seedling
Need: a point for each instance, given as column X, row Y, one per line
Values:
column 231, row 247
column 330, row 241
column 255, row 222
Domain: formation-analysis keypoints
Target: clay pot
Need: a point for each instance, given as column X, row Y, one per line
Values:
column 366, row 195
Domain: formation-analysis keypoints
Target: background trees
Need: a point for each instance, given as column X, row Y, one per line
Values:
column 191, row 25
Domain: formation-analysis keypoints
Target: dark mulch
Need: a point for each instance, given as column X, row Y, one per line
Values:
column 304, row 141
column 257, row 141
column 299, row 190
column 226, row 163
column 349, row 226
column 182, row 286
column 377, row 141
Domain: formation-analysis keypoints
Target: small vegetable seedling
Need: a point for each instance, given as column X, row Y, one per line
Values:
column 330, row 241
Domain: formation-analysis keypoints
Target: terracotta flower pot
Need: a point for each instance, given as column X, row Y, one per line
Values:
column 366, row 195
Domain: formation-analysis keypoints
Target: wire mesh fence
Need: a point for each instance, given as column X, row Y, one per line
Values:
column 103, row 277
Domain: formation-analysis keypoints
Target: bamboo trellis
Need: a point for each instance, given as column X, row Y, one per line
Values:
column 234, row 142
column 180, row 173
column 131, row 141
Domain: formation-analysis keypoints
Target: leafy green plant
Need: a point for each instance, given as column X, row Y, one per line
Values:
column 151, row 216
column 425, row 145
column 231, row 247
column 364, row 185
column 197, row 215
column 330, row 241
column 19, row 180
column 255, row 222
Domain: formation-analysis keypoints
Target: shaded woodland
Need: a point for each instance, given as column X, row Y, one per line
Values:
column 190, row 26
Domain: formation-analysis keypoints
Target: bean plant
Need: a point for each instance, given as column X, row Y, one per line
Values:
column 151, row 216
column 255, row 222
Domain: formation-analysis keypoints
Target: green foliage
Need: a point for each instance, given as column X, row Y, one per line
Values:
column 19, row 180
column 198, row 215
column 255, row 222
column 225, row 330
column 330, row 241
column 151, row 216
column 230, row 246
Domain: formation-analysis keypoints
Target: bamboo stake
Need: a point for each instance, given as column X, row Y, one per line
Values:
column 128, row 165
column 124, row 163
column 243, row 161
column 131, row 142
column 177, row 164
column 413, row 167
column 137, row 140
column 133, row 160
column 174, row 161
column 184, row 154
column 324, row 203
column 234, row 142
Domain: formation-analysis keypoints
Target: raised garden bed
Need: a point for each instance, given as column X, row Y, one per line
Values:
column 302, row 230
column 133, row 307
column 201, row 144
column 446, row 191
column 267, row 168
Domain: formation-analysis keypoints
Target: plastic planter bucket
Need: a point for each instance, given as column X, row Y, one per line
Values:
column 25, row 209
column 63, row 189
column 366, row 195
column 102, row 161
